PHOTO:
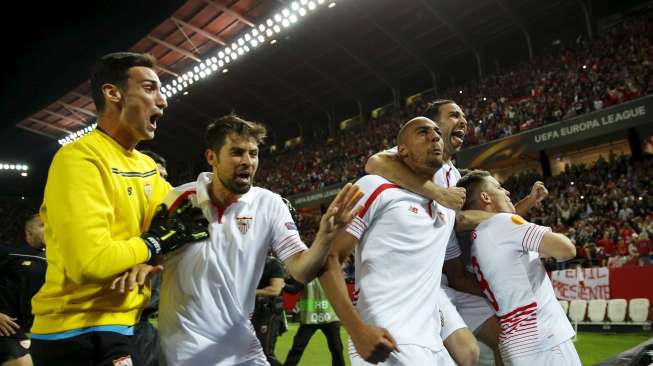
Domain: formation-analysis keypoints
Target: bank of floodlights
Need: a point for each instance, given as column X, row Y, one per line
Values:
column 77, row 134
column 254, row 37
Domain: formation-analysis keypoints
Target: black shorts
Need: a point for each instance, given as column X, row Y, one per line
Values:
column 96, row 348
column 13, row 348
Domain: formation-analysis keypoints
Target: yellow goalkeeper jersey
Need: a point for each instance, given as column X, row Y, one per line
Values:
column 98, row 199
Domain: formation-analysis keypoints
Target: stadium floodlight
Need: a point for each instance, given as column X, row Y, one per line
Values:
column 460, row 91
column 224, row 71
column 185, row 92
column 244, row 42
column 23, row 174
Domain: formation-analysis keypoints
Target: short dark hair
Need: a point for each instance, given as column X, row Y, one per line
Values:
column 156, row 157
column 433, row 109
column 473, row 182
column 217, row 131
column 112, row 69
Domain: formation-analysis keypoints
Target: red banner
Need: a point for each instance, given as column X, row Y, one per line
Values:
column 584, row 284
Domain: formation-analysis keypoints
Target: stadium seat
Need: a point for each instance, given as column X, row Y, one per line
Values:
column 565, row 305
column 638, row 310
column 617, row 310
column 596, row 310
column 577, row 310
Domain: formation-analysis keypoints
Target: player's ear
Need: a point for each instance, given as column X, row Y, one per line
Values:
column 211, row 157
column 485, row 198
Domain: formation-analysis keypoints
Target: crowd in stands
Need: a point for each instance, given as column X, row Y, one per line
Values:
column 578, row 78
column 606, row 209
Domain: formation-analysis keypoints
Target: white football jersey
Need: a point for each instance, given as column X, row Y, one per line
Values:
column 508, row 267
column 399, row 260
column 208, row 288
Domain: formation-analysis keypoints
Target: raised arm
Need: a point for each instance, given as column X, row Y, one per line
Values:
column 304, row 266
column 538, row 193
column 387, row 164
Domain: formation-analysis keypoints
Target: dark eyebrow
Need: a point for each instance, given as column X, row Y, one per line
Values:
column 150, row 81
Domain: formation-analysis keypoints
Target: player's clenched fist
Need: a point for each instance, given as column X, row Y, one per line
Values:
column 539, row 191
column 373, row 344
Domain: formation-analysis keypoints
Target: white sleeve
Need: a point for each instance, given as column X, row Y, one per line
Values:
column 453, row 248
column 371, row 186
column 285, row 237
column 527, row 236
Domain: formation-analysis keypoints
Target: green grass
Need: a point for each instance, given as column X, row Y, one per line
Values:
column 592, row 347
column 596, row 347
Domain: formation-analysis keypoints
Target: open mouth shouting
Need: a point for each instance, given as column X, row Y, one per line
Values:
column 154, row 117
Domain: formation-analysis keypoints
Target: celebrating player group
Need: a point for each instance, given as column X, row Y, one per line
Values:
column 441, row 258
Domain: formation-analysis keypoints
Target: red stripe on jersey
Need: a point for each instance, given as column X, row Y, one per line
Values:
column 375, row 194
column 176, row 203
column 525, row 307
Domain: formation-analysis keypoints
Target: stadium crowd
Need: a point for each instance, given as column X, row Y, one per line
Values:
column 606, row 209
column 575, row 79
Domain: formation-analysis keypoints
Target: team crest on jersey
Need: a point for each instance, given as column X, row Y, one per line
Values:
column 413, row 210
column 243, row 224
column 148, row 190
column 123, row 361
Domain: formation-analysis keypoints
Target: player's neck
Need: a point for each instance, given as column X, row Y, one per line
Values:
column 111, row 125
column 221, row 195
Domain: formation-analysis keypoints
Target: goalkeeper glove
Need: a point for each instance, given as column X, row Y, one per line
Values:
column 170, row 231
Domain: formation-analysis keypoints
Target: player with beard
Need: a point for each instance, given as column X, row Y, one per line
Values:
column 208, row 290
column 459, row 284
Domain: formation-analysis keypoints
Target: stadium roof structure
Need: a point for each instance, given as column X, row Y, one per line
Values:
column 344, row 59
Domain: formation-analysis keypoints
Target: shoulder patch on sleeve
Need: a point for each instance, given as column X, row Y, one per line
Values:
column 518, row 220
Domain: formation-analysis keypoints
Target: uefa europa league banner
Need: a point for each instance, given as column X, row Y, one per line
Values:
column 630, row 114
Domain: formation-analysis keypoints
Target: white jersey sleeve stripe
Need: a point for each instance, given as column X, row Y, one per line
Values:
column 289, row 246
column 533, row 237
column 357, row 227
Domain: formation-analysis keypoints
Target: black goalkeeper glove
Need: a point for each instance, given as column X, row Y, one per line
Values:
column 186, row 224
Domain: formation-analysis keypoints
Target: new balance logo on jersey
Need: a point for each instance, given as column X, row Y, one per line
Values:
column 414, row 210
